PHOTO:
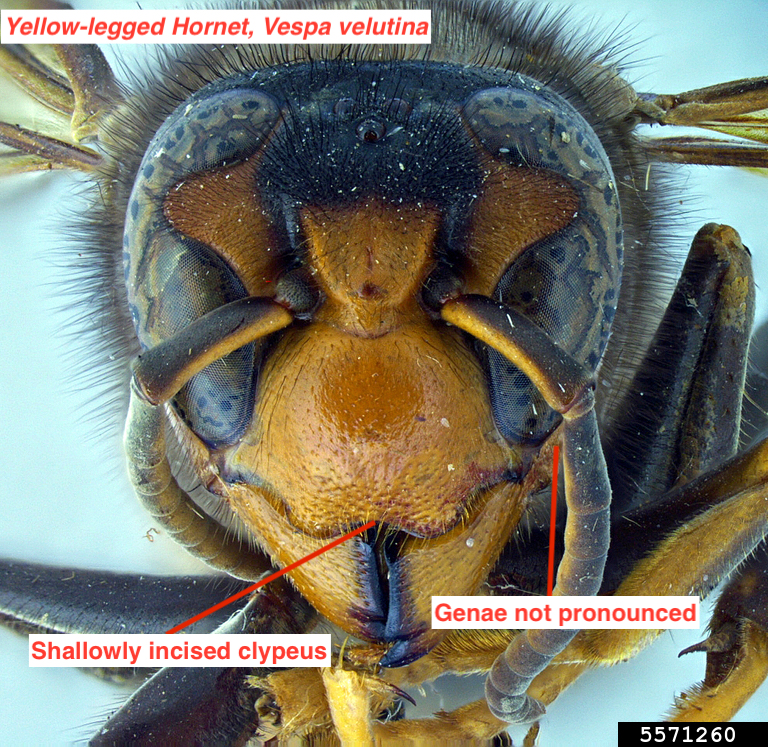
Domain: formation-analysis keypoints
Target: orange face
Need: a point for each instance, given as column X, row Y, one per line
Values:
column 368, row 406
column 374, row 411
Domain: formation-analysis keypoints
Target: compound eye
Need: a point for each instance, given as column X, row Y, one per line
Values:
column 371, row 130
column 173, row 278
column 567, row 281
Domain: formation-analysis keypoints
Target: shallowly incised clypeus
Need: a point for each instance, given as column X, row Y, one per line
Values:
column 463, row 220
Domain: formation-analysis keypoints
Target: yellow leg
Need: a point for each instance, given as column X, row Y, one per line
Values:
column 721, row 701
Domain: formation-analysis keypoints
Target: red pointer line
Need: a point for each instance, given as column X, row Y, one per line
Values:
column 552, row 520
column 275, row 575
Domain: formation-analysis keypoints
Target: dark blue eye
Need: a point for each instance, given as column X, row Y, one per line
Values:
column 567, row 282
column 216, row 403
column 173, row 279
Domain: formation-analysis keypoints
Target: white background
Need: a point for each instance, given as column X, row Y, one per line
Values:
column 63, row 497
